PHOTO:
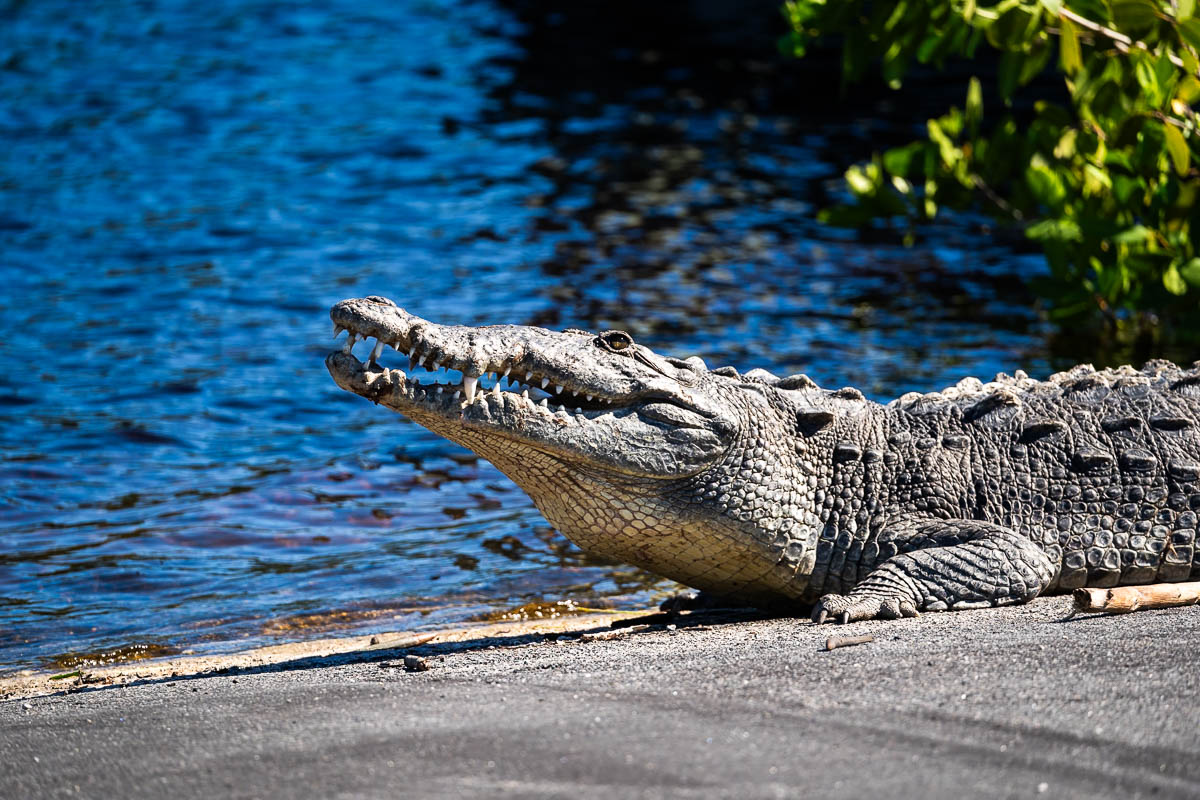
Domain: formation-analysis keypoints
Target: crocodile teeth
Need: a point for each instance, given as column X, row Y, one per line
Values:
column 525, row 393
column 589, row 397
column 528, row 376
column 506, row 371
column 470, row 383
column 457, row 394
column 545, row 382
column 578, row 410
column 496, row 389
column 412, row 361
column 545, row 403
column 558, row 389
column 337, row 329
column 349, row 345
column 376, row 351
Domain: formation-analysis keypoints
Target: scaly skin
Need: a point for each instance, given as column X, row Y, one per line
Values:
column 778, row 493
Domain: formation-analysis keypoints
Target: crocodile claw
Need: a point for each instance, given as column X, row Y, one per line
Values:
column 849, row 608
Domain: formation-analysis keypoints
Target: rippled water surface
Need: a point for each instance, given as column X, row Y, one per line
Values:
column 186, row 187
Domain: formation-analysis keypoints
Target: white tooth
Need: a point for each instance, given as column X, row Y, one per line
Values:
column 558, row 389
column 506, row 371
column 545, row 382
column 439, row 390
column 469, row 384
column 525, row 393
column 376, row 351
column 589, row 397
column 337, row 329
column 457, row 394
column 349, row 345
column 544, row 403
column 579, row 411
column 528, row 376
column 496, row 388
column 396, row 346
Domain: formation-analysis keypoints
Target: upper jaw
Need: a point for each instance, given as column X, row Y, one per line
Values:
column 547, row 365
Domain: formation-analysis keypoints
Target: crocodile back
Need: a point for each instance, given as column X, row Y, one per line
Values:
column 1100, row 468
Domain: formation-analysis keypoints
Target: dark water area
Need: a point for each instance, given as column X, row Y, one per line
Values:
column 185, row 188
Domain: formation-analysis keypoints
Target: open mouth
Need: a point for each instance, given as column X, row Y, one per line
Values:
column 432, row 380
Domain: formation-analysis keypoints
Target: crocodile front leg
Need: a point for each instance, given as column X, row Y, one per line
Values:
column 944, row 564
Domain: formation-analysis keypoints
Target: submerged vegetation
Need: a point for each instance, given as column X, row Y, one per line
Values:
column 1102, row 175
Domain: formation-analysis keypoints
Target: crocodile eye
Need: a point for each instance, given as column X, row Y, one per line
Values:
column 614, row 340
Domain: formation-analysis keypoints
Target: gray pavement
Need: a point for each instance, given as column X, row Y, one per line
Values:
column 997, row 703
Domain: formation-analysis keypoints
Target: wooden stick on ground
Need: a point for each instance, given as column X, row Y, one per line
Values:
column 1124, row 599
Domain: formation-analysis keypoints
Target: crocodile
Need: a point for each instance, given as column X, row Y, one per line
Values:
column 777, row 493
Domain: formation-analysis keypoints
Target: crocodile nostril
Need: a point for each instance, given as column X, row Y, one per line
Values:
column 377, row 299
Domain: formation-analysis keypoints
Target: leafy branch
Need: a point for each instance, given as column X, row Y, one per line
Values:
column 1108, row 185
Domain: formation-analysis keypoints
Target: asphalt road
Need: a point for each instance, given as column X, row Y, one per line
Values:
column 997, row 703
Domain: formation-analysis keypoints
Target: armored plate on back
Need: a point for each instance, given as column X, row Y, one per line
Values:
column 776, row 492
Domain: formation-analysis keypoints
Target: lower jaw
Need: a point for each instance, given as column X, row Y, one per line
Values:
column 471, row 425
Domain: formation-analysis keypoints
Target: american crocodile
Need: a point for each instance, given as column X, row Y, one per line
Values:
column 775, row 492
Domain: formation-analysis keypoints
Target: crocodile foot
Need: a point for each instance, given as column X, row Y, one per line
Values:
column 842, row 608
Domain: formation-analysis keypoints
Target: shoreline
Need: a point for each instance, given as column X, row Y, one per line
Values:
column 27, row 683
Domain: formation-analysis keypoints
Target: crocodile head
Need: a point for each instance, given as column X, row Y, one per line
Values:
column 646, row 459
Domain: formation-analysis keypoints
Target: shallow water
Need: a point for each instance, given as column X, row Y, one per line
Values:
column 185, row 188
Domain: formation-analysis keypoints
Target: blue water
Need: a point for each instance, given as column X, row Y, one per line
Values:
column 186, row 187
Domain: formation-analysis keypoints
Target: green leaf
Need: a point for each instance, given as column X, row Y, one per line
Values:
column 859, row 183
column 1045, row 183
column 1177, row 147
column 974, row 108
column 1125, row 189
column 1147, row 78
column 1184, row 9
column 946, row 149
column 1037, row 59
column 1138, row 234
column 1009, row 73
column 1058, row 230
column 1191, row 272
column 1173, row 281
column 1095, row 181
column 1134, row 17
column 1069, row 53
column 899, row 160
column 1014, row 28
column 1191, row 64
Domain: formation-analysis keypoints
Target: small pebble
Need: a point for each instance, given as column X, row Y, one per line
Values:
column 415, row 664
